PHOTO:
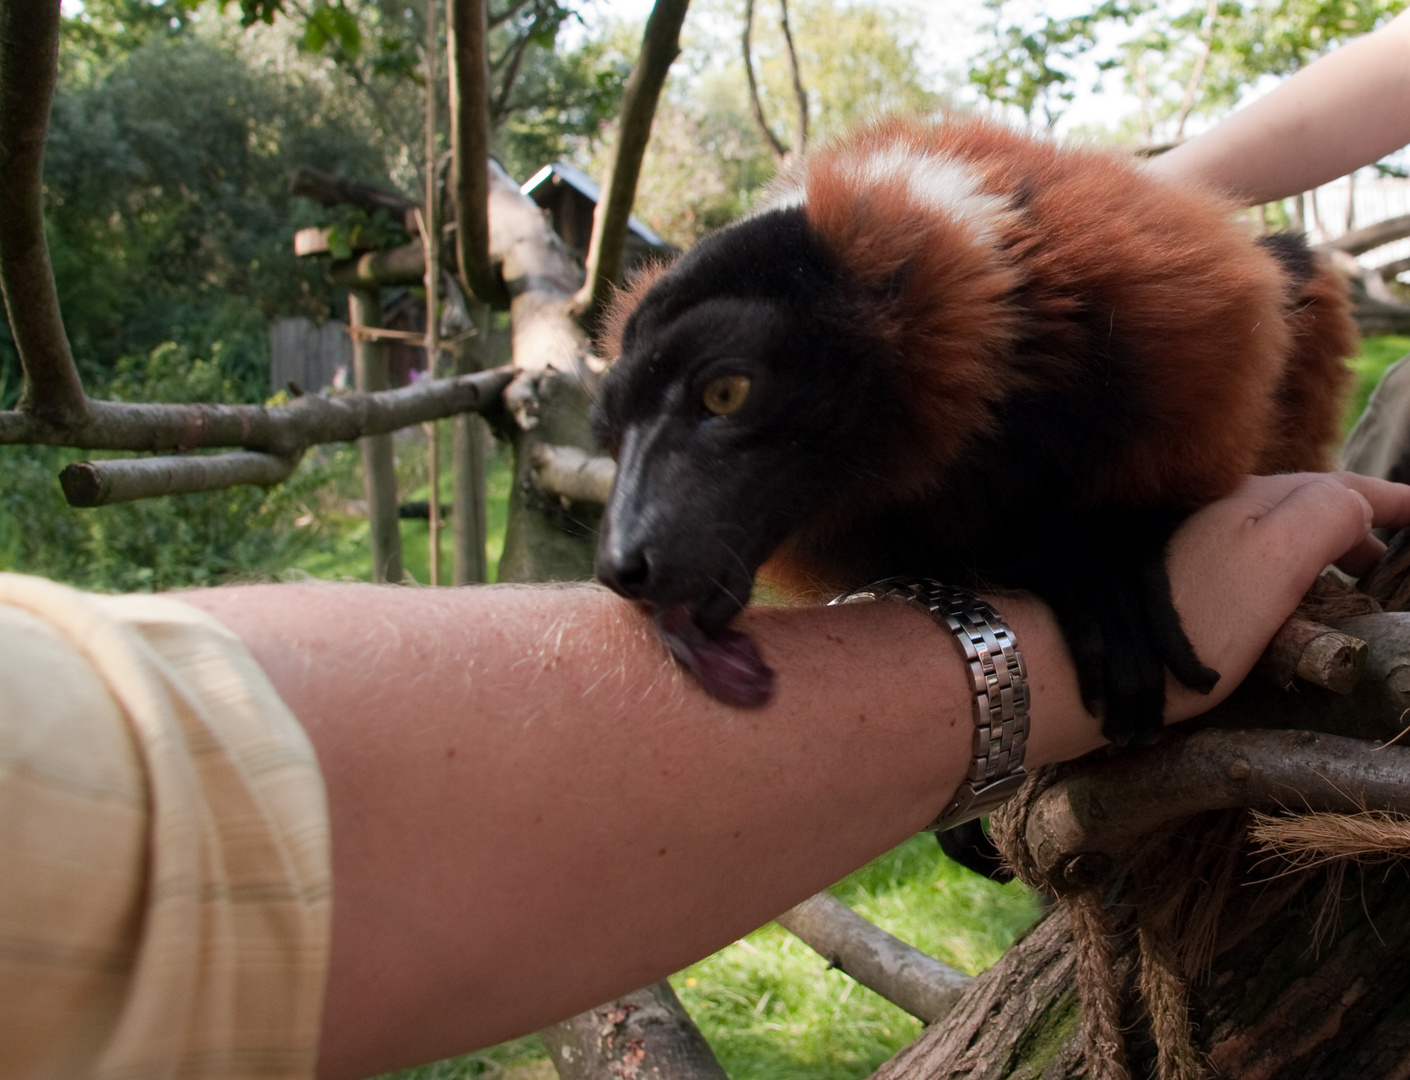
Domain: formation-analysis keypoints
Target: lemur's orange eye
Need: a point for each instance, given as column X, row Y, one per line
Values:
column 726, row 394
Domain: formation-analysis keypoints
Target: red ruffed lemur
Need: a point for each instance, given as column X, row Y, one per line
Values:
column 955, row 350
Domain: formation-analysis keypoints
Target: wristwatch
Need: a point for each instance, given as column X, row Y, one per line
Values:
column 998, row 679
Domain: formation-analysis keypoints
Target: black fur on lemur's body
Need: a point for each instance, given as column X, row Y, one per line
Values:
column 953, row 350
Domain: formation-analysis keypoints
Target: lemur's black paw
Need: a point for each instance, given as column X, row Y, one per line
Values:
column 1106, row 581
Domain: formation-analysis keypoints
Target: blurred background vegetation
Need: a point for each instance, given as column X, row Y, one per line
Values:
column 174, row 131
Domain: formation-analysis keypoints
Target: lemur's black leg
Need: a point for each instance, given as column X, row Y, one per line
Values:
column 1105, row 578
column 970, row 846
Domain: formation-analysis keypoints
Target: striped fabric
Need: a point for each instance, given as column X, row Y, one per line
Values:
column 164, row 853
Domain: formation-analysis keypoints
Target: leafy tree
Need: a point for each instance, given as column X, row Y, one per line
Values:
column 1195, row 56
column 168, row 207
column 707, row 162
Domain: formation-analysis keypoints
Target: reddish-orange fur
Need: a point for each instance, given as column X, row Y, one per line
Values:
column 1238, row 385
column 623, row 302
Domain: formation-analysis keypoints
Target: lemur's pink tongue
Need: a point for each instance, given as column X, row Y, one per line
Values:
column 726, row 662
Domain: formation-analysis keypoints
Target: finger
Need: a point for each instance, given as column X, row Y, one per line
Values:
column 1321, row 520
column 1390, row 502
column 1361, row 558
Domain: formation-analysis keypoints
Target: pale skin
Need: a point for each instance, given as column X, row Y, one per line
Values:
column 533, row 811
column 1345, row 110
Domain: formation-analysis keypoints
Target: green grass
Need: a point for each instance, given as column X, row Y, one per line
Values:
column 771, row 1008
column 348, row 557
column 1377, row 354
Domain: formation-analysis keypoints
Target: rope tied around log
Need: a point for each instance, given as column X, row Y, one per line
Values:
column 1170, row 892
column 1150, row 922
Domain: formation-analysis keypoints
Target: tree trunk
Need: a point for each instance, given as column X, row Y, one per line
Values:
column 548, row 537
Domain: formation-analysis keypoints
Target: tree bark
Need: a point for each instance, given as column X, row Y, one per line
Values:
column 101, row 483
column 29, row 49
column 901, row 973
column 469, row 525
column 646, row 1035
column 469, row 148
column 1369, row 237
column 545, row 540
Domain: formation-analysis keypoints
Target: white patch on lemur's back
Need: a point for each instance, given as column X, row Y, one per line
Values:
column 784, row 192
column 940, row 185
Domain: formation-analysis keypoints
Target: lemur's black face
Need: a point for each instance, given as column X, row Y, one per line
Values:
column 732, row 419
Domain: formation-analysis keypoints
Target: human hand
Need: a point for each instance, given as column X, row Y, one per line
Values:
column 1239, row 566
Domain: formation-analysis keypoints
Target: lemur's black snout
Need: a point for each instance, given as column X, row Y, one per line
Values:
column 626, row 571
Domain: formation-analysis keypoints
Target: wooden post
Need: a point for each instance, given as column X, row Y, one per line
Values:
column 431, row 237
column 469, row 563
column 379, row 478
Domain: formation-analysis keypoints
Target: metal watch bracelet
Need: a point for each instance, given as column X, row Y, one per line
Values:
column 998, row 680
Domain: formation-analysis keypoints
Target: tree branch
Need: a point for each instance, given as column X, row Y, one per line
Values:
column 746, row 42
column 660, row 45
column 1211, row 14
column 1081, row 828
column 29, row 50
column 506, row 14
column 568, row 472
column 900, row 973
column 800, row 96
column 275, row 429
column 328, row 190
column 99, row 483
column 469, row 147
column 405, row 265
column 1359, row 241
column 1314, row 653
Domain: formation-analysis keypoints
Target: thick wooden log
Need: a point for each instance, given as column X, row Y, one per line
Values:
column 1367, row 238
column 1084, row 827
column 646, row 1035
column 1276, row 1004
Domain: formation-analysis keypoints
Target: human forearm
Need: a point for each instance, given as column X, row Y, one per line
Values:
column 533, row 810
column 1348, row 109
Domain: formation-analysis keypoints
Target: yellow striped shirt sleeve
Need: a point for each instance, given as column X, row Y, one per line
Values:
column 164, row 852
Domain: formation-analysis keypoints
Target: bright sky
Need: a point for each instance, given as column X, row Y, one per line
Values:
column 951, row 37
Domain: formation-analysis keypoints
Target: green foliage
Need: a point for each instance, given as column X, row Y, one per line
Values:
column 1377, row 354
column 707, row 161
column 560, row 100
column 1033, row 64
column 351, row 228
column 168, row 211
column 165, row 543
column 1034, row 60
